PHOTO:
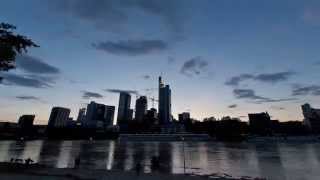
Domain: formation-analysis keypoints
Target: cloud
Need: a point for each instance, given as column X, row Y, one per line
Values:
column 232, row 106
column 35, row 65
column 311, row 15
column 131, row 47
column 278, row 108
column 24, row 98
column 88, row 95
column 114, row 14
column 194, row 66
column 274, row 77
column 31, row 81
column 251, row 95
column 234, row 81
column 146, row 76
column 299, row 90
column 120, row 91
column 265, row 77
column 247, row 94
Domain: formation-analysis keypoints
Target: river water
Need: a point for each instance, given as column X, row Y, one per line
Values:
column 279, row 161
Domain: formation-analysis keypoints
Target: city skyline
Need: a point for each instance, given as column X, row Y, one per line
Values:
column 220, row 58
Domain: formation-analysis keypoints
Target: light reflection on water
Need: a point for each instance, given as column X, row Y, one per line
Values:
column 271, row 160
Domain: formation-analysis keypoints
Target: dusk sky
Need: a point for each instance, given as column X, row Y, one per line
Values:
column 220, row 58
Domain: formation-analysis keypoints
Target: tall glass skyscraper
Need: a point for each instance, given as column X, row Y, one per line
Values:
column 164, row 103
column 124, row 108
column 141, row 108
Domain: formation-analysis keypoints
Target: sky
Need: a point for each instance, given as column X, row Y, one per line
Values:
column 220, row 57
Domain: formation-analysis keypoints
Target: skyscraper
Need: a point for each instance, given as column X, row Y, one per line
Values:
column 81, row 115
column 259, row 123
column 311, row 117
column 98, row 115
column 109, row 116
column 141, row 108
column 164, row 103
column 124, row 108
column 59, row 117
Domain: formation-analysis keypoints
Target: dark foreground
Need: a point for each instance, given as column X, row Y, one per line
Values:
column 13, row 171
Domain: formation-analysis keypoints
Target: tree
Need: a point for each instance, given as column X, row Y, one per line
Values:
column 11, row 44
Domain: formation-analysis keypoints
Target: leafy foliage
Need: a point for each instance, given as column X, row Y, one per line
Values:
column 11, row 44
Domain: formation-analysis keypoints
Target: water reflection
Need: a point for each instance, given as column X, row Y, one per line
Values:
column 110, row 159
column 49, row 152
column 271, row 160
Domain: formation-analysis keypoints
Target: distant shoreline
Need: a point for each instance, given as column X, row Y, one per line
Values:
column 187, row 138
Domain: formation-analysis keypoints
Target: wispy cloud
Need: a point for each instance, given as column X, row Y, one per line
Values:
column 121, row 90
column 146, row 76
column 194, row 66
column 26, row 81
column 232, row 106
column 35, row 65
column 300, row 90
column 114, row 15
column 235, row 81
column 131, row 47
column 311, row 15
column 250, row 94
column 27, row 98
column 264, row 77
column 89, row 95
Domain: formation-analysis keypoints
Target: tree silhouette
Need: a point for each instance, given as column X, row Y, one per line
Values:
column 11, row 44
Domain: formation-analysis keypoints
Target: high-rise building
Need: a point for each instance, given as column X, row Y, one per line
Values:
column 141, row 108
column 259, row 123
column 59, row 117
column 184, row 117
column 25, row 125
column 124, row 108
column 152, row 113
column 109, row 116
column 81, row 115
column 98, row 115
column 311, row 117
column 26, row 121
column 165, row 116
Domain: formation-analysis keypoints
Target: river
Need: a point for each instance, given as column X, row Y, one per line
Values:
column 278, row 161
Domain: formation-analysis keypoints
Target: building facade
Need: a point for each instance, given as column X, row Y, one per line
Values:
column 260, row 123
column 81, row 115
column 59, row 117
column 311, row 118
column 109, row 116
column 184, row 117
column 99, row 115
column 164, row 108
column 124, row 108
column 141, row 108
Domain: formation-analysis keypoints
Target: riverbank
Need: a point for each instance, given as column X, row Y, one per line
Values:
column 11, row 171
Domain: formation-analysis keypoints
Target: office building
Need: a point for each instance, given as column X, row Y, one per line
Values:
column 109, row 116
column 152, row 114
column 26, row 122
column 141, row 108
column 98, row 115
column 165, row 116
column 259, row 123
column 311, row 118
column 59, row 117
column 124, row 108
column 81, row 115
column 184, row 117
